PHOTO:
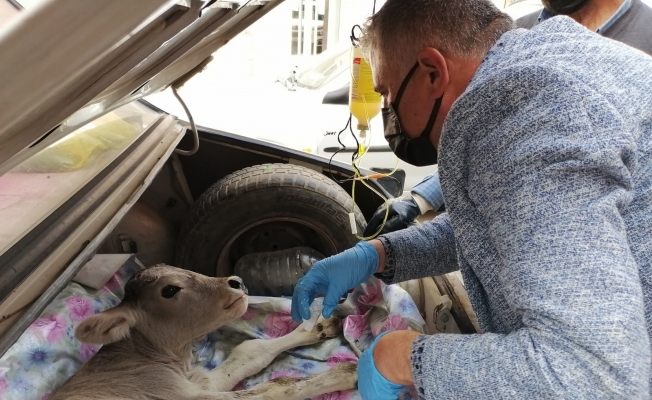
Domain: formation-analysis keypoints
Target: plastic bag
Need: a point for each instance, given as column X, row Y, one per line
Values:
column 80, row 148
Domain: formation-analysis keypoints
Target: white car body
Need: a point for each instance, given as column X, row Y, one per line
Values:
column 334, row 117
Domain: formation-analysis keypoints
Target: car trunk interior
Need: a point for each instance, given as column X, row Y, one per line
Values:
column 151, row 228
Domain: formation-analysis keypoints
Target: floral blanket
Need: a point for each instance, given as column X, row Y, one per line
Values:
column 47, row 354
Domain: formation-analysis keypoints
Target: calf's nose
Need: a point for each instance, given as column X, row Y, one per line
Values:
column 236, row 283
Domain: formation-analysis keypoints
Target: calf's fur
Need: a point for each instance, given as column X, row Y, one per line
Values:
column 148, row 340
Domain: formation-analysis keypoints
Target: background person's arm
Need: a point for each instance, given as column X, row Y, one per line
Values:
column 404, row 210
column 429, row 190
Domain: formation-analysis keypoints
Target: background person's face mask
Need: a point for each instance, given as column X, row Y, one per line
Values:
column 418, row 151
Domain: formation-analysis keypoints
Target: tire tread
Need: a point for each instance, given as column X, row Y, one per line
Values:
column 262, row 177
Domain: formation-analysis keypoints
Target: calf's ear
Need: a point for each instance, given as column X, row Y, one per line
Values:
column 106, row 327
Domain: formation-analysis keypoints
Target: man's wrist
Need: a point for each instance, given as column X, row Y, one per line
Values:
column 422, row 203
column 392, row 356
column 378, row 245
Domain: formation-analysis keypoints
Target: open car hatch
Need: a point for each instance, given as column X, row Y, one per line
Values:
column 70, row 72
column 66, row 63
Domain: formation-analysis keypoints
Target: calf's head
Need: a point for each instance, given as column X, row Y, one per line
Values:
column 169, row 306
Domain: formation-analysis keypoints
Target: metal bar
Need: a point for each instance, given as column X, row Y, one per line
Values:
column 457, row 311
column 301, row 27
column 351, row 149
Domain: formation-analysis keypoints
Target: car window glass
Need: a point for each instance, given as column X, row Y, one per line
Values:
column 324, row 70
column 35, row 188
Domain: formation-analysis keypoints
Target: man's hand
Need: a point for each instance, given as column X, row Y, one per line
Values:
column 334, row 276
column 402, row 212
column 385, row 368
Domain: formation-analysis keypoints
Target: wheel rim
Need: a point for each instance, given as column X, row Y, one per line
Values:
column 272, row 234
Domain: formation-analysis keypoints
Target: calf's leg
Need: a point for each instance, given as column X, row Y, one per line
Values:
column 252, row 356
column 342, row 377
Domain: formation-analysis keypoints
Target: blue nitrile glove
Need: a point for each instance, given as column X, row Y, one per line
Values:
column 333, row 276
column 402, row 212
column 371, row 383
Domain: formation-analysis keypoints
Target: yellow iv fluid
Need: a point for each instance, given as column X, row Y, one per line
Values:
column 364, row 102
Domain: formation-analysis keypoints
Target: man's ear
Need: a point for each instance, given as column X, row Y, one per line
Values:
column 434, row 63
column 106, row 327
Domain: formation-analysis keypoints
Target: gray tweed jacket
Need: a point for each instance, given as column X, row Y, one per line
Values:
column 546, row 169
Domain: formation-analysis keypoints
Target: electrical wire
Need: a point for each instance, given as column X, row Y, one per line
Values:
column 342, row 147
column 358, row 176
column 355, row 40
column 195, row 146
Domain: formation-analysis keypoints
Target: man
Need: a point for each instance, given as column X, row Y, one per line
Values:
column 627, row 21
column 545, row 162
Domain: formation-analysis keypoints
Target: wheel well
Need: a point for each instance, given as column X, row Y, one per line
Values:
column 216, row 159
column 164, row 207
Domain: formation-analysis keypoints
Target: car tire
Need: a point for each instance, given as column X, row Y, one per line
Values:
column 266, row 208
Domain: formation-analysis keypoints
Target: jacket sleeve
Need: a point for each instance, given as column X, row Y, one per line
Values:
column 430, row 189
column 419, row 251
column 560, row 166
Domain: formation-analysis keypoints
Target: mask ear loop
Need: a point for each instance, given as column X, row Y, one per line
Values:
column 403, row 86
column 399, row 95
column 433, row 117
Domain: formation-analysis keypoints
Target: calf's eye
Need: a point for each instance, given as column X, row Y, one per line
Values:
column 169, row 291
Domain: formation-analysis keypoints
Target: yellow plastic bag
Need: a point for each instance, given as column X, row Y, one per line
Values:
column 80, row 148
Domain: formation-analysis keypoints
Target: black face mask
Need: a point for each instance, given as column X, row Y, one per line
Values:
column 564, row 7
column 418, row 151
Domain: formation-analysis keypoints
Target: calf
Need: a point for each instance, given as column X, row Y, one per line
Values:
column 148, row 340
